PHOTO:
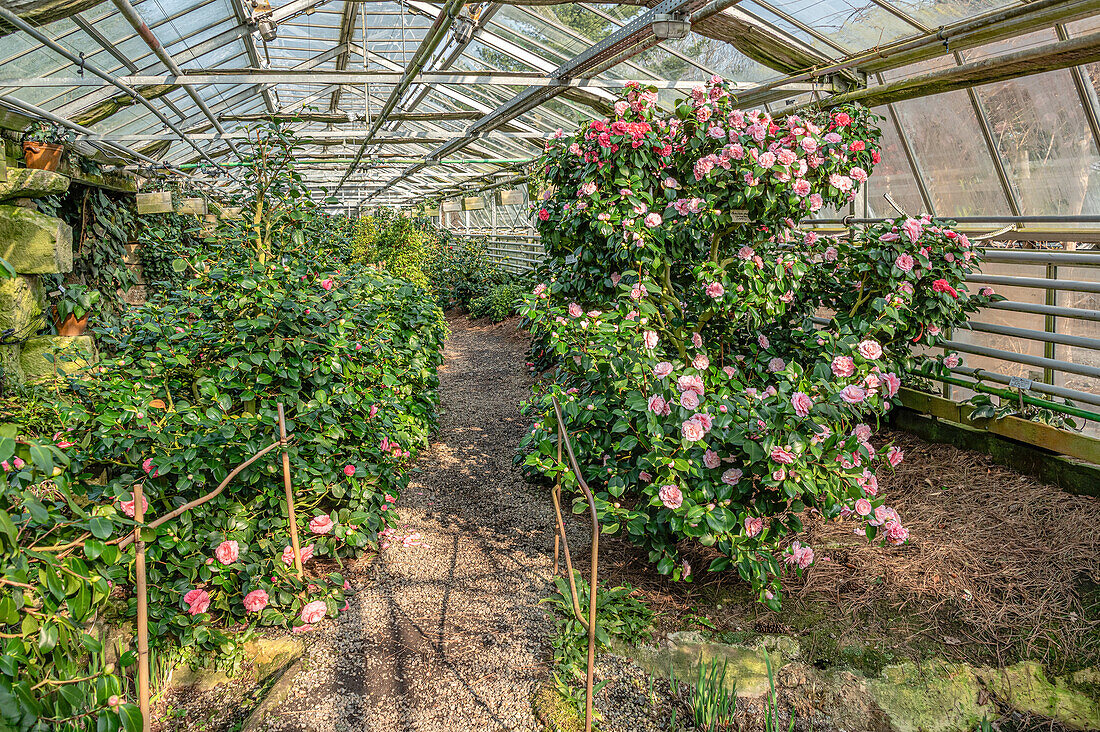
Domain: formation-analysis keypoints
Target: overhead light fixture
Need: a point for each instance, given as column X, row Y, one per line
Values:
column 669, row 27
column 464, row 27
column 267, row 28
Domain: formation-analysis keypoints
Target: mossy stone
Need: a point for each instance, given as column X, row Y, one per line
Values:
column 45, row 357
column 21, row 304
column 933, row 697
column 34, row 243
column 1069, row 700
column 31, row 183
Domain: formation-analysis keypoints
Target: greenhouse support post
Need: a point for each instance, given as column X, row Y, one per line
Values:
column 289, row 495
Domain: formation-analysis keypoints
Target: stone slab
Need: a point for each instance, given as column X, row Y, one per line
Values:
column 29, row 183
column 35, row 243
column 47, row 357
column 21, row 305
column 11, row 370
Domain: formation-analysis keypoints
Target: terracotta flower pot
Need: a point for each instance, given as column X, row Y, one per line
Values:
column 71, row 326
column 42, row 155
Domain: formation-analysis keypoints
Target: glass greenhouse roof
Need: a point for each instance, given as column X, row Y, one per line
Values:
column 409, row 99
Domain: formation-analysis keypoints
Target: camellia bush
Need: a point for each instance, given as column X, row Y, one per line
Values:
column 719, row 378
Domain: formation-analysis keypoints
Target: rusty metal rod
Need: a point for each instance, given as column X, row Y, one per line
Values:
column 289, row 495
column 142, row 607
column 595, row 555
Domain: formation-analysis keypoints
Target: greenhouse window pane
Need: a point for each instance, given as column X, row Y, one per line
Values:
column 1044, row 142
column 954, row 159
column 851, row 23
column 893, row 174
column 934, row 13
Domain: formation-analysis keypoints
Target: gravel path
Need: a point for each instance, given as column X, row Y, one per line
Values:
column 444, row 630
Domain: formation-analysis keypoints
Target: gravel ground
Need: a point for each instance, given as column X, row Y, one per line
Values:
column 444, row 630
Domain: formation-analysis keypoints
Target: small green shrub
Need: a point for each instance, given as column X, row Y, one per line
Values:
column 400, row 245
column 498, row 304
column 462, row 272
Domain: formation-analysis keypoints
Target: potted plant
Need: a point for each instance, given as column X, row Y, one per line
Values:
column 42, row 146
column 73, row 308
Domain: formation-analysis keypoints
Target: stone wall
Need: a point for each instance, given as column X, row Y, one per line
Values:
column 35, row 245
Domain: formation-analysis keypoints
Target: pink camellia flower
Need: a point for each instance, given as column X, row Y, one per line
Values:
column 801, row 403
column 313, row 612
column 803, row 556
column 715, row 290
column 692, row 430
column 896, row 534
column 147, row 466
column 349, row 470
column 659, row 406
column 830, row 254
column 653, row 220
column 776, row 365
column 986, row 292
column 197, row 601
column 782, row 456
column 753, row 525
column 288, row 554
column 650, row 338
column 575, row 310
column 951, row 360
column 905, row 262
column 616, row 278
column 696, row 340
column 729, row 371
column 779, row 475
column 853, row 394
column 801, row 187
column 114, row 702
column 816, row 201
column 321, row 524
column 870, row 349
column 732, row 476
column 327, row 283
column 894, row 456
column 912, row 229
column 128, row 506
column 227, row 552
column 893, row 383
column 690, row 382
column 701, row 361
column 689, row 400
column 255, row 601
column 945, row 286
column 863, row 507
column 862, row 432
column 762, row 341
column 711, row 459
column 645, row 476
column 843, row 367
column 671, row 496
column 544, row 215
column 663, row 369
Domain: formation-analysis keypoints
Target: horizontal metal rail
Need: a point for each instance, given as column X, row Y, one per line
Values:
column 1040, row 283
column 1040, row 257
column 1058, row 391
column 1047, row 363
column 1036, row 335
column 1054, row 310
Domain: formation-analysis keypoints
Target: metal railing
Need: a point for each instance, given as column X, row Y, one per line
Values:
column 594, row 555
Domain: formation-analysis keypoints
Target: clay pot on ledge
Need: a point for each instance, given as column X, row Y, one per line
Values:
column 71, row 326
column 42, row 155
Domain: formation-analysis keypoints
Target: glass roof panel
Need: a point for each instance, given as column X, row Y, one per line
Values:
column 853, row 23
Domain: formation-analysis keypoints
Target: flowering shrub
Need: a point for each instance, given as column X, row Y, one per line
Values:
column 706, row 403
column 192, row 391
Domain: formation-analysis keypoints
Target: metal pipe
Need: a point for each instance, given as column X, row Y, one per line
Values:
column 95, row 70
column 1019, row 256
column 1036, row 335
column 1060, row 312
column 1038, row 361
column 1082, row 219
column 1058, row 391
column 1014, row 396
column 1035, row 282
column 134, row 17
column 289, row 495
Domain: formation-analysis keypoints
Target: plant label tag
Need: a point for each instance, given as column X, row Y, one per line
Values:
column 571, row 259
column 739, row 215
column 1019, row 382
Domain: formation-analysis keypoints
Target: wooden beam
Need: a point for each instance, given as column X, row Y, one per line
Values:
column 1049, row 57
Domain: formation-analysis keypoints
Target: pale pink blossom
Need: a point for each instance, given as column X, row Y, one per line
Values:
column 690, row 382
column 893, row 383
column 711, row 459
column 894, row 456
column 650, row 338
column 320, row 524
column 870, row 349
column 912, row 229
column 853, row 394
column 863, row 507
column 659, row 406
column 776, row 365
column 951, row 360
column 575, row 310
column 763, row 341
column 692, row 430
column 198, row 601
column 732, row 476
column 689, row 400
column 701, row 362
column 288, row 554
column 128, row 506
column 905, row 262
column 753, row 525
column 255, row 601
column 671, row 496
column 227, row 552
column 801, row 403
column 662, row 369
column 843, row 367
column 782, row 456
column 803, row 556
column 313, row 612
column 715, row 290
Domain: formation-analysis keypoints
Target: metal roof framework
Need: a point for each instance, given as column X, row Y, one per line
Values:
column 428, row 99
